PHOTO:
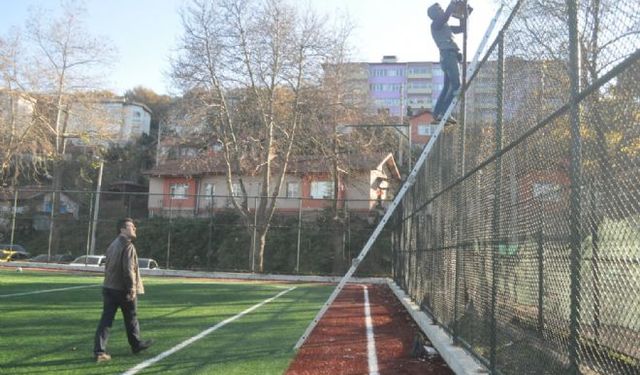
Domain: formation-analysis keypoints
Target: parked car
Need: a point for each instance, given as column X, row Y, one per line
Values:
column 7, row 255
column 90, row 260
column 147, row 264
column 14, row 247
column 56, row 258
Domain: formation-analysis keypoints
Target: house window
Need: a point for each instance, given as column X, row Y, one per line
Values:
column 293, row 190
column 235, row 189
column 321, row 189
column 426, row 129
column 209, row 191
column 546, row 191
column 179, row 191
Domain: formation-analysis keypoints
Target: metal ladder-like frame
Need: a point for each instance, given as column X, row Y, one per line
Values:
column 394, row 204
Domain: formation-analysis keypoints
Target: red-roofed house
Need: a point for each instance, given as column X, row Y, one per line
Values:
column 421, row 128
column 197, row 186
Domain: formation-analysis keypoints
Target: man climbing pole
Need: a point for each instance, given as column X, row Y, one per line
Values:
column 450, row 55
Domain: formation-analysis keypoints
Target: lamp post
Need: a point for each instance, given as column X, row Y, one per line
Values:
column 92, row 248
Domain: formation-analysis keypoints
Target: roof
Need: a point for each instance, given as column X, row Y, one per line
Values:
column 125, row 102
column 419, row 113
column 26, row 192
column 198, row 166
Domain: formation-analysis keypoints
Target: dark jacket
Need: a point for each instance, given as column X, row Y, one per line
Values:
column 121, row 269
column 441, row 32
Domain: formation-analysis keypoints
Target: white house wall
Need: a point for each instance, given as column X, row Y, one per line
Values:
column 155, row 193
column 114, row 121
column 252, row 185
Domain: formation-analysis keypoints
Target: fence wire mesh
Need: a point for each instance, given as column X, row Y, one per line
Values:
column 521, row 235
column 195, row 232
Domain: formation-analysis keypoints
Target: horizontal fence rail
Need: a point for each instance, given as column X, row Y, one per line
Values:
column 525, row 247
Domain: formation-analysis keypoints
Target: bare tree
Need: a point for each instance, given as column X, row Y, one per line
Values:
column 254, row 66
column 65, row 61
column 24, row 141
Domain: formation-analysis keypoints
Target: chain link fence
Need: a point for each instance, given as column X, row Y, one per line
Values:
column 196, row 232
column 521, row 235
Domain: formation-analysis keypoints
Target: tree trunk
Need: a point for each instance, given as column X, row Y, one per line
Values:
column 262, row 242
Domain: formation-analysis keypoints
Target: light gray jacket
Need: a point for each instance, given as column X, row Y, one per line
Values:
column 121, row 269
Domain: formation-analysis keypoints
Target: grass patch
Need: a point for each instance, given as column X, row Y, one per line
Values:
column 53, row 332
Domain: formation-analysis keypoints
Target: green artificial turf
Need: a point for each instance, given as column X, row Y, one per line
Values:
column 52, row 333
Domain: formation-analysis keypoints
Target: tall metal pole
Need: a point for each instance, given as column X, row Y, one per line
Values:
column 495, row 222
column 575, row 220
column 460, row 190
column 96, row 210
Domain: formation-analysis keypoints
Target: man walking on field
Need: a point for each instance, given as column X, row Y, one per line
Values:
column 121, row 286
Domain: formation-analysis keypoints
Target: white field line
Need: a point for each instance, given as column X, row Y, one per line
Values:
column 184, row 344
column 49, row 290
column 371, row 341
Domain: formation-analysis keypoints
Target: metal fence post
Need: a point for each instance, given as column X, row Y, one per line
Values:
column 170, row 229
column 51, row 223
column 595, row 260
column 15, row 212
column 253, row 235
column 540, row 243
column 576, row 186
column 299, row 234
column 496, row 203
column 89, row 216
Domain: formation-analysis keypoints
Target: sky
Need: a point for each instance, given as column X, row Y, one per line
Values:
column 145, row 32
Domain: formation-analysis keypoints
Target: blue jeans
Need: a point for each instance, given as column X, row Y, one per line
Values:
column 449, row 65
column 112, row 299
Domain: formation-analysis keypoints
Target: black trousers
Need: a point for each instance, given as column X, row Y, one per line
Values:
column 112, row 299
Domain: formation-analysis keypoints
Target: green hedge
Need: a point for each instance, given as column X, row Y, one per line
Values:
column 222, row 243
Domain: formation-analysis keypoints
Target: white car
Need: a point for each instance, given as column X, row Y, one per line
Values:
column 147, row 264
column 90, row 260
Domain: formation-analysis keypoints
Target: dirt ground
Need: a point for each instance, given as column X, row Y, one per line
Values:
column 338, row 344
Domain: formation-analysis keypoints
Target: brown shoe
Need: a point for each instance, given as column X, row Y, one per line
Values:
column 102, row 357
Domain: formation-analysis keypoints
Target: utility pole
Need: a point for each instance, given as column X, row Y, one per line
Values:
column 92, row 249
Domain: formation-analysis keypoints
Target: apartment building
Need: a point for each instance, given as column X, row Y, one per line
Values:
column 108, row 121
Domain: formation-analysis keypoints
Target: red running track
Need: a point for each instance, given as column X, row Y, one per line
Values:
column 338, row 344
